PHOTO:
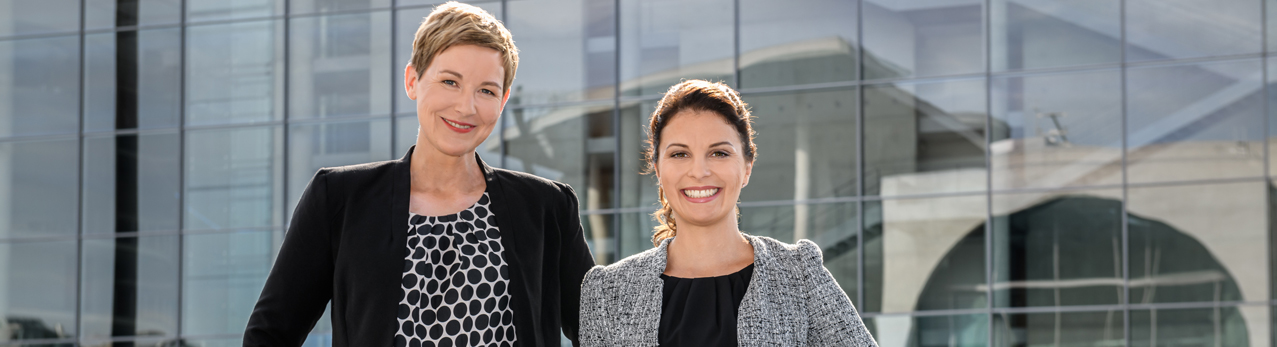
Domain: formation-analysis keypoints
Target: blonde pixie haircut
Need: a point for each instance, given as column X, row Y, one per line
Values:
column 454, row 23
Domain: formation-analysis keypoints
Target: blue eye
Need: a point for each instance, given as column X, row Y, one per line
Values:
column 489, row 92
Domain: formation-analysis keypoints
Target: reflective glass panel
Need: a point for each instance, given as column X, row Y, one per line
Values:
column 1195, row 121
column 573, row 145
column 38, row 179
column 131, row 183
column 1033, row 34
column 666, row 41
column 339, row 65
column 1272, row 113
column 1196, row 243
column 310, row 6
column 21, row 17
column 1057, row 248
column 101, row 14
column 567, row 50
column 1176, row 29
column 37, row 289
column 599, row 234
column 636, row 233
column 129, row 287
column 1221, row 326
column 313, row 146
column 151, row 63
column 917, row 38
column 146, row 341
column 797, row 42
column 970, row 330
column 924, row 254
column 235, row 72
column 637, row 189
column 833, row 227
column 481, row 3
column 39, row 86
column 406, row 137
column 209, row 10
column 924, row 138
column 233, row 178
column 1056, row 130
column 808, row 138
column 222, row 277
column 406, row 23
column 1103, row 328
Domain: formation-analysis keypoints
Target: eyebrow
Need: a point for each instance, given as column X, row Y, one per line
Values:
column 485, row 83
column 728, row 143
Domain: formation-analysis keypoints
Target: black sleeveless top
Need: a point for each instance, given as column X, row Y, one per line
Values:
column 702, row 311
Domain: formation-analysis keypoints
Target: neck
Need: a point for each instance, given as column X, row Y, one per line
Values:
column 436, row 172
column 706, row 250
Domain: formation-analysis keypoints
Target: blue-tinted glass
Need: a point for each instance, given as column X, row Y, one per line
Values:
column 38, row 283
column 39, row 86
column 924, row 254
column 406, row 136
column 155, row 74
column 481, row 3
column 20, row 17
column 1177, row 29
column 310, row 6
column 235, row 72
column 970, row 330
column 137, row 171
column 807, row 138
column 1033, row 34
column 1057, row 248
column 1056, row 130
column 143, row 267
column 637, row 189
column 100, row 14
column 573, row 145
column 1195, row 121
column 1272, row 114
column 313, row 146
column 666, row 41
column 599, row 235
column 233, row 178
column 1220, row 326
column 635, row 233
column 206, row 10
column 222, row 277
column 1103, row 328
column 339, row 65
column 833, row 227
column 38, row 179
column 923, row 38
column 406, row 23
column 797, row 42
column 1198, row 243
column 567, row 50
column 924, row 138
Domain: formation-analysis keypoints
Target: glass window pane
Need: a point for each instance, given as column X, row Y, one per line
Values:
column 797, row 42
column 1034, row 34
column 313, row 146
column 153, row 63
column 1057, row 248
column 39, row 181
column 21, row 17
column 131, row 183
column 144, row 271
column 925, row 254
column 599, row 236
column 38, row 284
column 924, row 138
column 406, row 23
column 807, row 138
column 39, row 86
column 636, row 233
column 1102, row 328
column 573, row 145
column 833, row 227
column 917, row 38
column 1272, row 239
column 233, row 178
column 1197, row 121
column 1056, row 130
column 1221, row 326
column 970, row 330
column 406, row 136
column 1197, row 243
column 637, row 189
column 235, row 73
column 222, row 277
column 1177, row 29
column 1272, row 114
column 481, row 3
column 310, row 6
column 666, row 41
column 567, row 50
column 209, row 10
column 100, row 14
column 339, row 65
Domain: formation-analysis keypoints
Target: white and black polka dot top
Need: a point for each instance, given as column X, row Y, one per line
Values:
column 455, row 282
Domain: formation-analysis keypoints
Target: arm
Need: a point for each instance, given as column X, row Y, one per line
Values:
column 834, row 321
column 300, row 283
column 592, row 311
column 574, row 261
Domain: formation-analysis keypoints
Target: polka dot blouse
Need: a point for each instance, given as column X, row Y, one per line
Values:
column 455, row 282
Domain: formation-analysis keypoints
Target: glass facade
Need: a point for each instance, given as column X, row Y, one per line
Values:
column 977, row 172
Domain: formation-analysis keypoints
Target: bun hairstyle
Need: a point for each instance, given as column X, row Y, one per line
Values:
column 694, row 95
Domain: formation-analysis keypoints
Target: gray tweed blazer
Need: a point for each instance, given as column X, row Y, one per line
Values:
column 792, row 300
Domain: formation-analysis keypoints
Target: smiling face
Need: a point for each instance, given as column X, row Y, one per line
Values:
column 701, row 167
column 459, row 99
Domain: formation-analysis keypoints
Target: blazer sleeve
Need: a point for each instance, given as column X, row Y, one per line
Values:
column 593, row 311
column 834, row 321
column 574, row 261
column 300, row 283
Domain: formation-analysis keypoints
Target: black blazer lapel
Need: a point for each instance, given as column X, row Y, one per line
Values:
column 527, row 330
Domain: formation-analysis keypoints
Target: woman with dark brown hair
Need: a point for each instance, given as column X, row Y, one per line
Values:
column 706, row 283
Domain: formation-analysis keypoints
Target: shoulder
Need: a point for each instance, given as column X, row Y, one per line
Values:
column 531, row 185
column 794, row 256
column 357, row 174
column 649, row 262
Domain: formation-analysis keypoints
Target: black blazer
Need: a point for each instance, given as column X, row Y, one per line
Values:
column 347, row 243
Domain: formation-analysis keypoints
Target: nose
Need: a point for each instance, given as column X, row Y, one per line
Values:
column 700, row 168
column 466, row 106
